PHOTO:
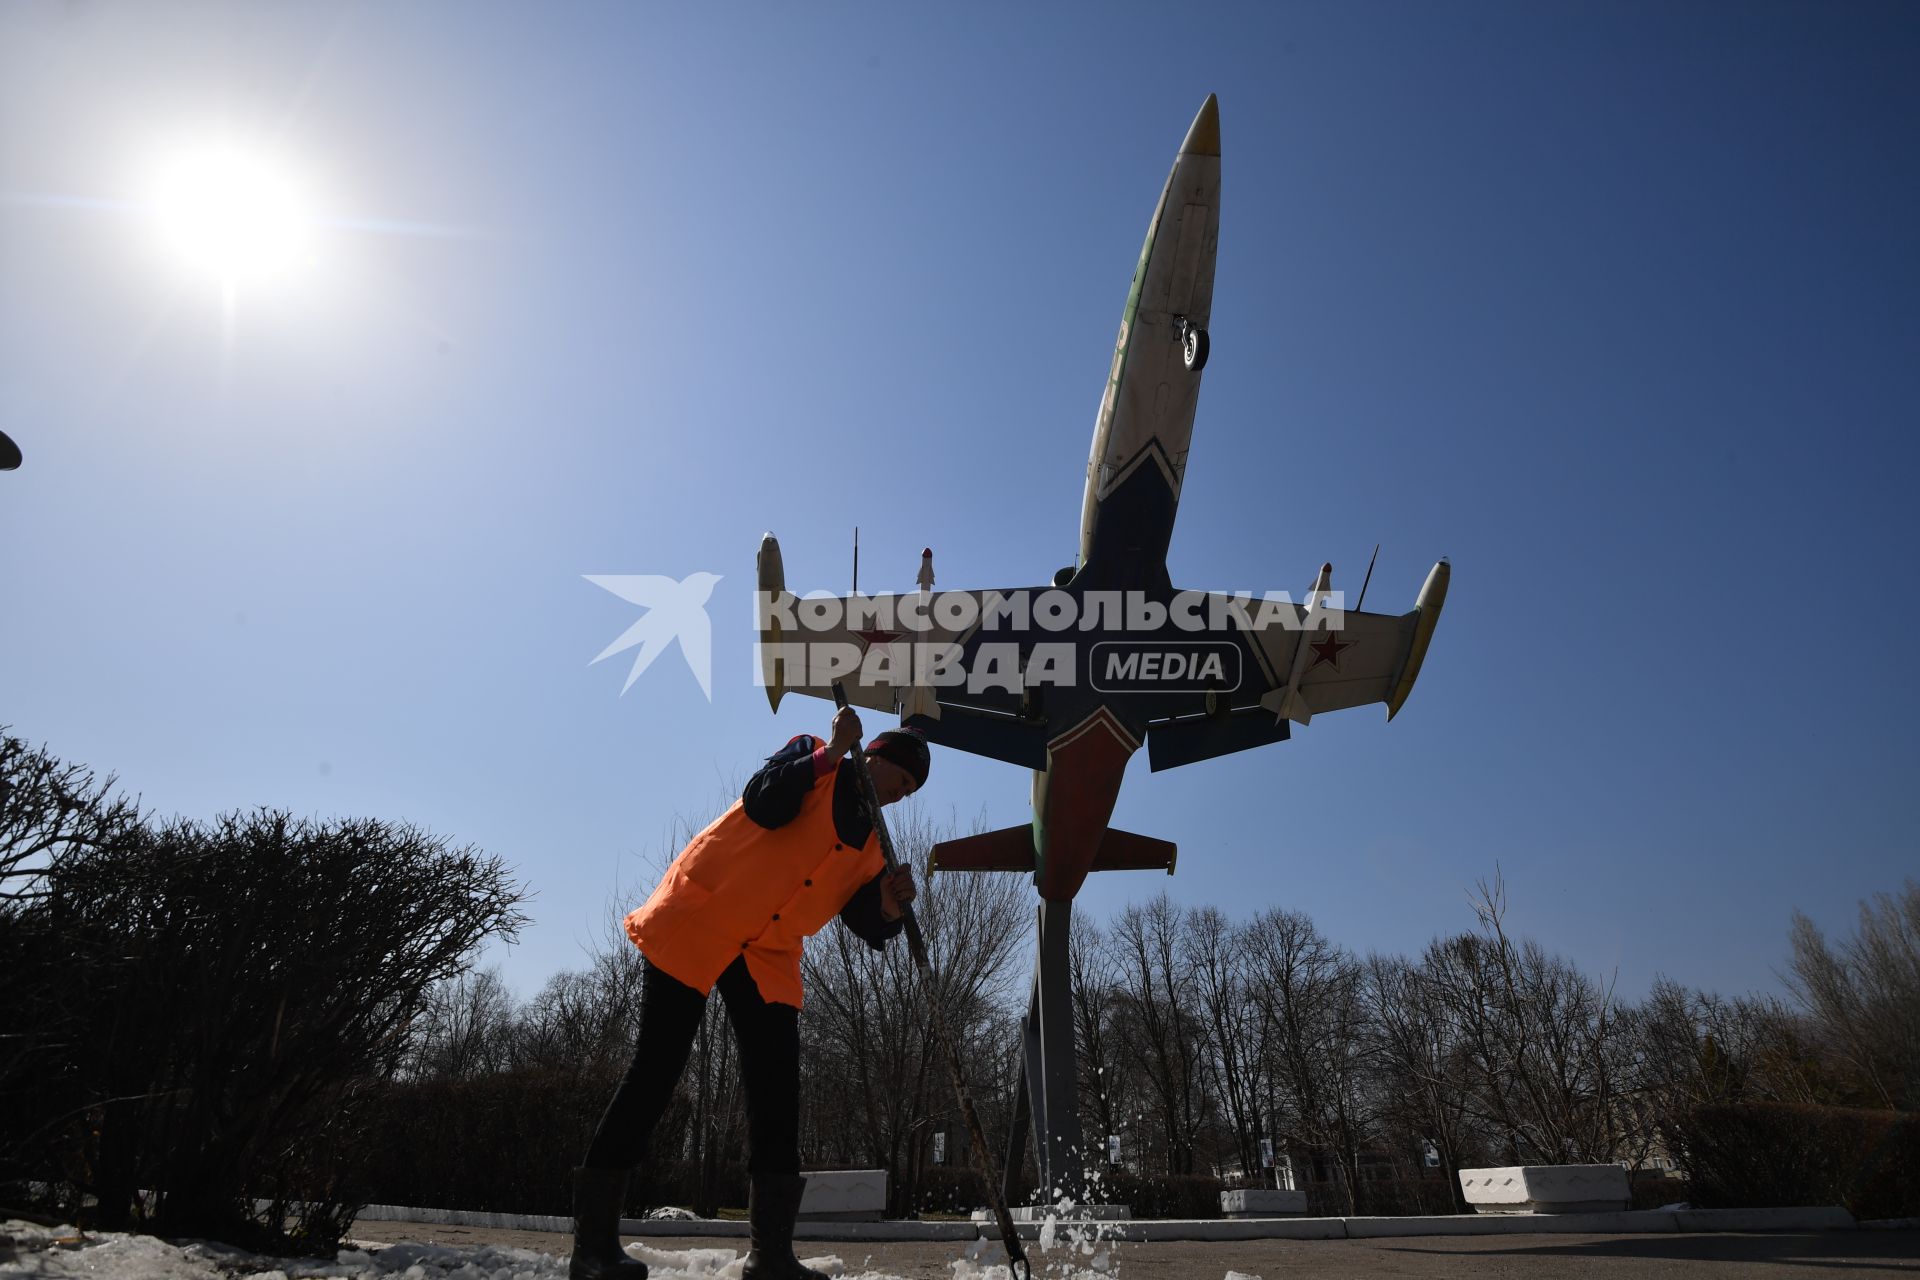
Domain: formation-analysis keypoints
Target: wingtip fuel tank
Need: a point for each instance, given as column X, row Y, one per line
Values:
column 771, row 572
column 1426, row 609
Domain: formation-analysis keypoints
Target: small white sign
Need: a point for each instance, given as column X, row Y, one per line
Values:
column 939, row 1148
column 1266, row 1153
column 1433, row 1156
column 1113, row 1148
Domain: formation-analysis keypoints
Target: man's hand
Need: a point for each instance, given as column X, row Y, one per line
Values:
column 896, row 892
column 846, row 732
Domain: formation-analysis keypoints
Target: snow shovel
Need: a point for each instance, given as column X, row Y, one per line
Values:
column 1017, row 1263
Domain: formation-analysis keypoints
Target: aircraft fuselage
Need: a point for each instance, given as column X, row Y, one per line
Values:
column 1134, row 473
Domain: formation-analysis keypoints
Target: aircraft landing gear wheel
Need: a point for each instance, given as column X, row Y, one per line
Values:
column 1193, row 348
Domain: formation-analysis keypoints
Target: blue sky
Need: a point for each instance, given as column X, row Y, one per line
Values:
column 1613, row 304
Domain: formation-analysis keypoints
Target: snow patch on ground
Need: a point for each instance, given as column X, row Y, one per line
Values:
column 59, row 1252
column 109, row 1255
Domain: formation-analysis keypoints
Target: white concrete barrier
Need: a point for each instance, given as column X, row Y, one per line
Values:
column 1547, row 1188
column 1262, row 1202
column 844, row 1195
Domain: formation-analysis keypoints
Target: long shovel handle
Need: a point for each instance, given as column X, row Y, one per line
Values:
column 1017, row 1263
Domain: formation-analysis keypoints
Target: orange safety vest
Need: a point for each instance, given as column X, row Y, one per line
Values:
column 739, row 888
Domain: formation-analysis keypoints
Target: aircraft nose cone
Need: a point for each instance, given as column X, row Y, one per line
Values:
column 1203, row 139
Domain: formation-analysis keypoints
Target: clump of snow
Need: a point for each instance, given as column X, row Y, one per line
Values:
column 714, row 1264
column 672, row 1213
column 1241, row 1275
column 57, row 1252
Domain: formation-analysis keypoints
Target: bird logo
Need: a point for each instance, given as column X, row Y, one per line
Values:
column 674, row 611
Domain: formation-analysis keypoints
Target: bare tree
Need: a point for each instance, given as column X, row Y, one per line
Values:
column 1695, row 1047
column 1216, row 957
column 49, row 811
column 867, row 1010
column 465, row 1030
column 1156, row 1000
column 1421, row 1063
column 1092, row 985
column 1544, row 1046
column 1310, row 996
column 1864, row 994
column 583, row 1022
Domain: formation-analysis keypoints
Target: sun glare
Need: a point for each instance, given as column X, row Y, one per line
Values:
column 238, row 217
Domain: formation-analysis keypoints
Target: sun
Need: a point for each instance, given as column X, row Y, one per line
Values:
column 233, row 215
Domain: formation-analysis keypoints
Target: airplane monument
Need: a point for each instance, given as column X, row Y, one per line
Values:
column 1071, row 678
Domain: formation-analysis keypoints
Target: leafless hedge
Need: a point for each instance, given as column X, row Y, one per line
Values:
column 198, row 1008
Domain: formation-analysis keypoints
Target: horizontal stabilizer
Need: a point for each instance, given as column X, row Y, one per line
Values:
column 1125, row 851
column 1008, row 849
column 1011, row 849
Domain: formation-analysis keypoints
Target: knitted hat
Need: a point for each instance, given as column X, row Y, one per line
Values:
column 906, row 748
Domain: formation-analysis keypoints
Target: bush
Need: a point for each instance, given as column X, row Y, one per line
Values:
column 948, row 1189
column 1162, row 1195
column 1766, row 1155
column 234, row 988
column 1399, row 1196
column 958, row 1189
column 499, row 1144
column 505, row 1143
column 1658, row 1193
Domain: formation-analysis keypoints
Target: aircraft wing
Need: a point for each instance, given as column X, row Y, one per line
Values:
column 1303, row 666
column 881, row 648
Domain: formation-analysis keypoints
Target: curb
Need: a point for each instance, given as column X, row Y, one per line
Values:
column 683, row 1228
column 1625, row 1222
column 1620, row 1222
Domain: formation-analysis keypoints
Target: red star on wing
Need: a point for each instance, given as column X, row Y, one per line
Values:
column 1328, row 651
column 876, row 636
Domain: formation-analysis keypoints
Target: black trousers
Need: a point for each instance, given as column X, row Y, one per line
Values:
column 769, row 1039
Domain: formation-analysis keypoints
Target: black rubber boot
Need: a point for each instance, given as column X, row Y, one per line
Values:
column 597, row 1255
column 773, row 1205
